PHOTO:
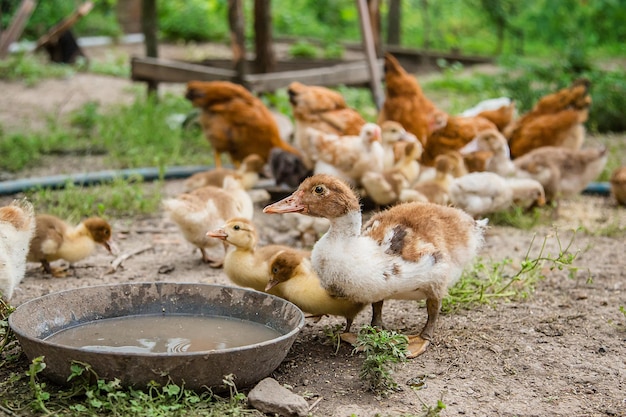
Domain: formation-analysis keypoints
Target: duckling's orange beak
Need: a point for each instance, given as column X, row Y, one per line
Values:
column 289, row 204
column 219, row 234
column 271, row 284
column 111, row 247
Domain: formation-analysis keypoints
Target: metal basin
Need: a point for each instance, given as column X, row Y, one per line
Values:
column 37, row 319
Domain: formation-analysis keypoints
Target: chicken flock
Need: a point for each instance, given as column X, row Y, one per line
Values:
column 435, row 178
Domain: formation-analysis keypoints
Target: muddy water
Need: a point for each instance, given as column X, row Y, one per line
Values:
column 164, row 334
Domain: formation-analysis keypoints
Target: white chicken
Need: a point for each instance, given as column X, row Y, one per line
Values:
column 348, row 157
column 482, row 193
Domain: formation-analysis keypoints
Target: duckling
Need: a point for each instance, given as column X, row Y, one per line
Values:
column 206, row 208
column 17, row 225
column 409, row 251
column 246, row 264
column 561, row 171
column 293, row 278
column 407, row 157
column 55, row 239
column 618, row 185
column 384, row 188
column 248, row 173
column 494, row 144
column 482, row 193
column 437, row 190
column 391, row 133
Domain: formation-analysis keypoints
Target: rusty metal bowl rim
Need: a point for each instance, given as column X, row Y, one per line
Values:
column 19, row 332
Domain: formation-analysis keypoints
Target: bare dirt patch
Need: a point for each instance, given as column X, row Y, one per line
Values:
column 559, row 352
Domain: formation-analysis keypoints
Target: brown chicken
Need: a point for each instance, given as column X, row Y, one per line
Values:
column 556, row 120
column 234, row 121
column 406, row 103
column 502, row 117
column 618, row 185
column 457, row 133
column 323, row 109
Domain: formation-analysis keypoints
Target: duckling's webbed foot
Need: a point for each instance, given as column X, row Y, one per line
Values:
column 55, row 272
column 419, row 343
column 349, row 337
column 417, row 346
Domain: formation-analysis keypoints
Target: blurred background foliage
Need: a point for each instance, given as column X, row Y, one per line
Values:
column 543, row 44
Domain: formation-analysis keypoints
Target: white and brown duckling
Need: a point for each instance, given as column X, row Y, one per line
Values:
column 618, row 185
column 55, row 239
column 17, row 225
column 411, row 251
column 246, row 264
column 207, row 208
column 248, row 173
column 293, row 278
column 483, row 193
column 561, row 171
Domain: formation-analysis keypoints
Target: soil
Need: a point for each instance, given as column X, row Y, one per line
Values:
column 561, row 351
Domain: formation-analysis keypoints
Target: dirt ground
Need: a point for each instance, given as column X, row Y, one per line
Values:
column 560, row 352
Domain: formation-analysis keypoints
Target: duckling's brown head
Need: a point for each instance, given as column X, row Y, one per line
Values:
column 282, row 267
column 100, row 231
column 320, row 195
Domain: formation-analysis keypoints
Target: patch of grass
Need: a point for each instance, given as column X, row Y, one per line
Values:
column 89, row 395
column 144, row 133
column 32, row 68
column 519, row 218
column 303, row 49
column 612, row 229
column 486, row 283
column 334, row 335
column 7, row 337
column 384, row 350
column 122, row 197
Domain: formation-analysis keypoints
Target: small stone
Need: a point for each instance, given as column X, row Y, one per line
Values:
column 269, row 397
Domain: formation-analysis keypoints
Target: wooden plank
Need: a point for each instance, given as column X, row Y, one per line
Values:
column 16, row 27
column 57, row 30
column 161, row 70
column 355, row 73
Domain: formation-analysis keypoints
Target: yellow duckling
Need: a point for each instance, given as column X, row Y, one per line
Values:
column 55, row 239
column 293, row 278
column 245, row 264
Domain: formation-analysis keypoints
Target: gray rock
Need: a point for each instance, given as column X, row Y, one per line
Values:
column 269, row 397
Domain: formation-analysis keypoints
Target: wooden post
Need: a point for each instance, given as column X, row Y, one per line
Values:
column 16, row 27
column 370, row 52
column 394, row 22
column 149, row 28
column 265, row 60
column 237, row 39
column 373, row 7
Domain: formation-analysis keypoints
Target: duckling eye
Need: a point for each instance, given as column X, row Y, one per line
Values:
column 274, row 270
column 236, row 227
column 318, row 190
